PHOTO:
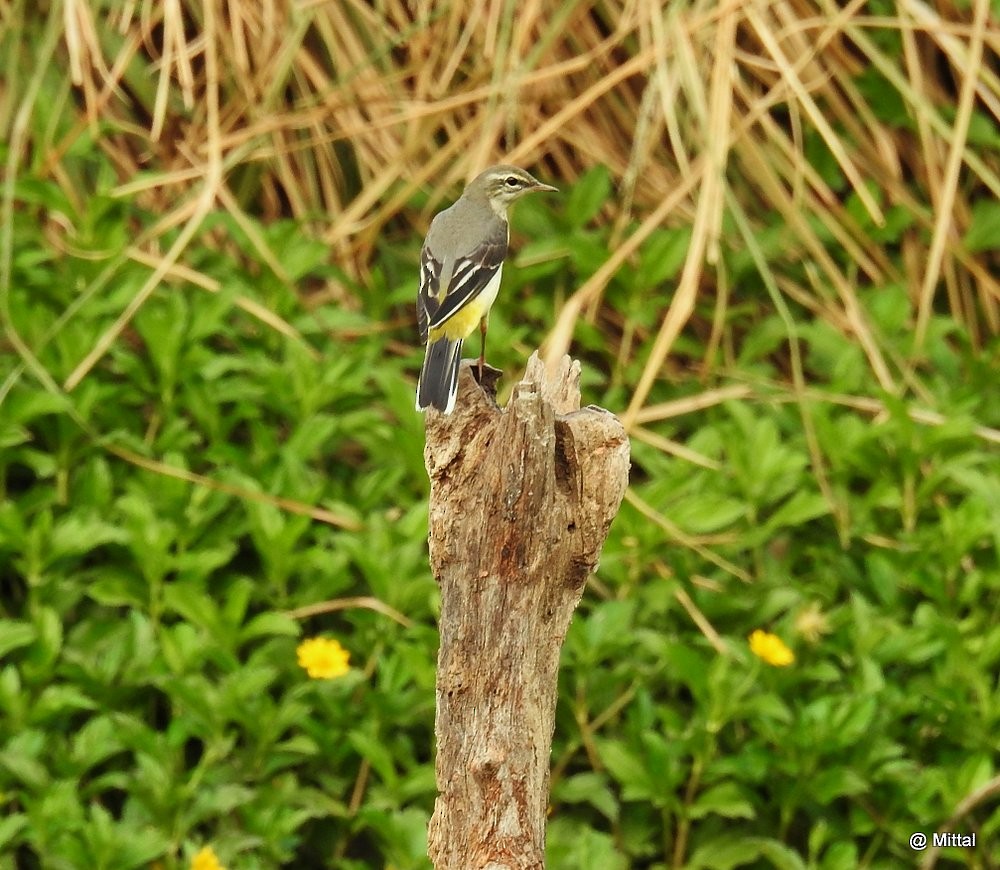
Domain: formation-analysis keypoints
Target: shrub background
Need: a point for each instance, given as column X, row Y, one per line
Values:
column 776, row 256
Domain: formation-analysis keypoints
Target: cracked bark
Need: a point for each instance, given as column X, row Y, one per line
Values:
column 521, row 502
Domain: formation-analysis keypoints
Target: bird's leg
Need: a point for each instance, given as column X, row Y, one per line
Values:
column 482, row 347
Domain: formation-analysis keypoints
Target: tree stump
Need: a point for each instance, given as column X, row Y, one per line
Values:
column 521, row 503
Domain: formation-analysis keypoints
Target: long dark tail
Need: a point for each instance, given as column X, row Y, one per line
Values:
column 438, row 382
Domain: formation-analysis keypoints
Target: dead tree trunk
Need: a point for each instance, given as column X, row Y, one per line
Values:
column 521, row 502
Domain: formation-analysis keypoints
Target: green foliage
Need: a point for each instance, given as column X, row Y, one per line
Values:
column 150, row 700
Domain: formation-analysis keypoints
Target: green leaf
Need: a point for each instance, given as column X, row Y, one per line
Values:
column 702, row 513
column 20, row 759
column 832, row 783
column 270, row 625
column 840, row 856
column 662, row 255
column 587, row 252
column 590, row 788
column 570, row 845
column 689, row 666
column 854, row 720
column 726, row 799
column 14, row 635
column 58, row 699
column 725, row 853
column 96, row 741
column 629, row 769
column 198, row 608
column 607, row 626
column 588, row 195
column 200, row 563
column 10, row 826
column 801, row 507
column 81, row 533
column 35, row 191
column 115, row 588
column 12, row 435
column 984, row 226
column 376, row 753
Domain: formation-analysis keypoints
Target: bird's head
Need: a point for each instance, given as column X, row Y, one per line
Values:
column 502, row 185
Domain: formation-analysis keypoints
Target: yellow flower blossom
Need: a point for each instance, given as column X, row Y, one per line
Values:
column 771, row 649
column 322, row 658
column 206, row 859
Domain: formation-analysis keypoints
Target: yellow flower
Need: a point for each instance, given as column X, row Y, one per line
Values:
column 323, row 659
column 206, row 859
column 771, row 649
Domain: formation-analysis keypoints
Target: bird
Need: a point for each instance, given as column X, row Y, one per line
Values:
column 460, row 266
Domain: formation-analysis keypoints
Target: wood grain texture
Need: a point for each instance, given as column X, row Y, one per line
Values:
column 521, row 502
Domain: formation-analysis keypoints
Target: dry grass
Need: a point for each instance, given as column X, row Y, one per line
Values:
column 336, row 112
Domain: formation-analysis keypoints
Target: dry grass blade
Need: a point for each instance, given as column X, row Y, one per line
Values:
column 790, row 78
column 691, row 404
column 707, row 217
column 364, row 601
column 287, row 504
column 674, row 448
column 680, row 537
column 949, row 187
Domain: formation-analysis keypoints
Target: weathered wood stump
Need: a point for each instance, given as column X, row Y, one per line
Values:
column 521, row 502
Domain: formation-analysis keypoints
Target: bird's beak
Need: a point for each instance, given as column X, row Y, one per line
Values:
column 540, row 186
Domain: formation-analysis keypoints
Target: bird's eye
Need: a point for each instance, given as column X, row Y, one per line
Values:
column 512, row 181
